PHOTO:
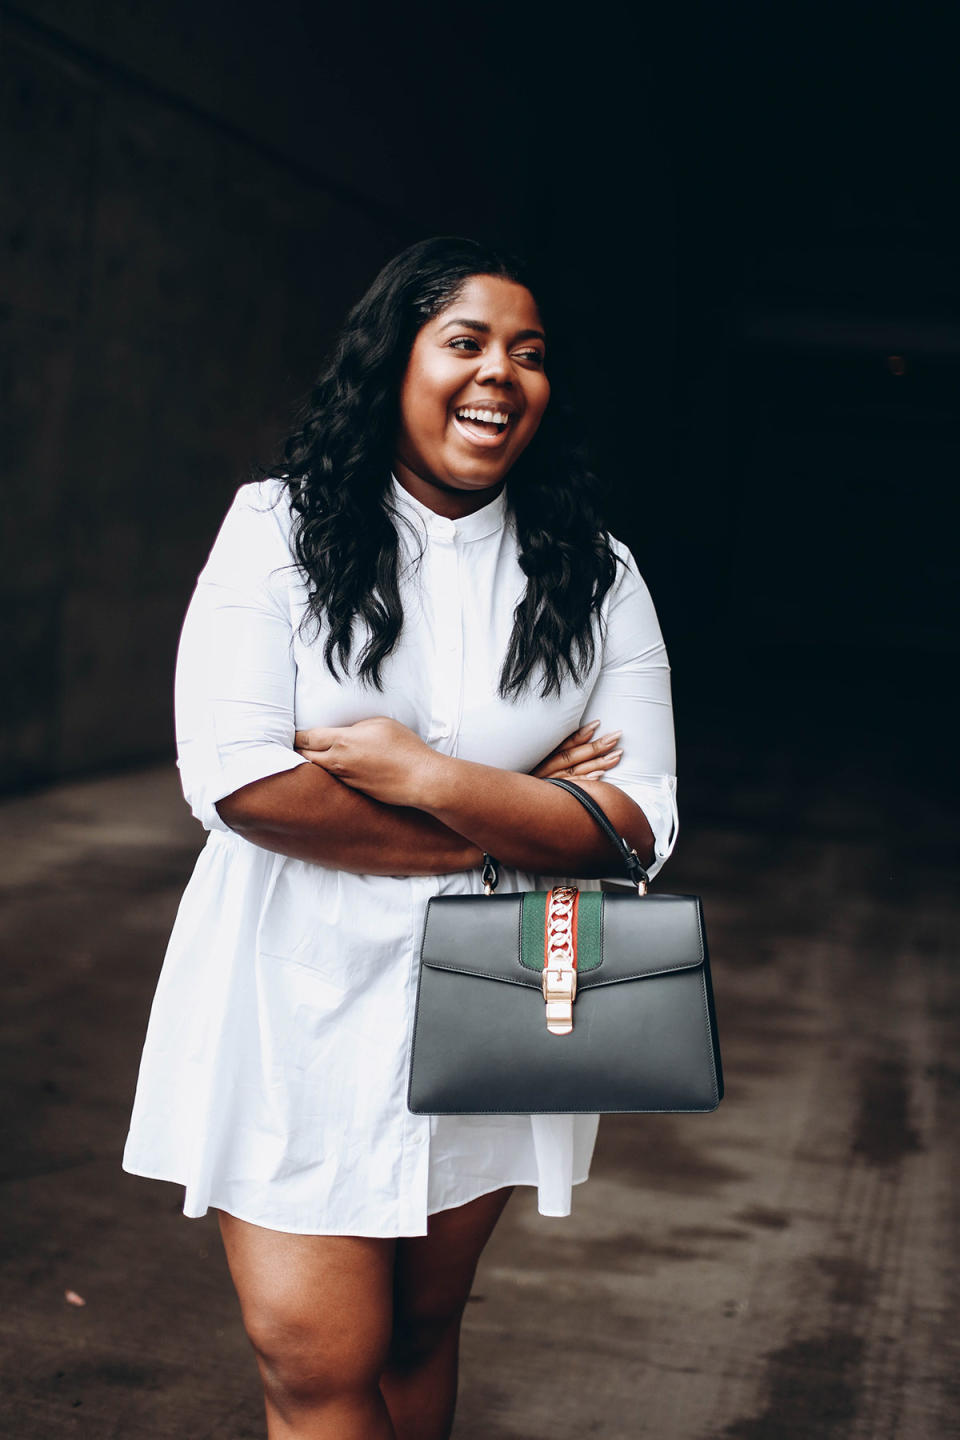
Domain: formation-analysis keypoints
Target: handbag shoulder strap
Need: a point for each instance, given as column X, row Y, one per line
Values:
column 627, row 855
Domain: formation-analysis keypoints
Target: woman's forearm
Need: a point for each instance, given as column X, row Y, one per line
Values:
column 310, row 815
column 527, row 823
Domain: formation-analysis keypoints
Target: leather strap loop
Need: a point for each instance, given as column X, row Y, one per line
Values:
column 625, row 851
column 629, row 857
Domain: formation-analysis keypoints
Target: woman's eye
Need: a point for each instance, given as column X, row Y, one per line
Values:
column 536, row 356
column 462, row 342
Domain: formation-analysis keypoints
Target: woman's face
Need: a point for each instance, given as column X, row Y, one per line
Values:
column 474, row 391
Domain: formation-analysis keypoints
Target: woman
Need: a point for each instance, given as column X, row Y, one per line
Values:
column 390, row 646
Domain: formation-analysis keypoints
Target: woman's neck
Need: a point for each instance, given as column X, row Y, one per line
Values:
column 448, row 500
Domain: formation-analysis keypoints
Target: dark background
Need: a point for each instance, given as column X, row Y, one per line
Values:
column 750, row 214
column 751, row 217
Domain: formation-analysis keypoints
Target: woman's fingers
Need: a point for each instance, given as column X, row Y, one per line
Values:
column 318, row 737
column 575, row 757
column 594, row 769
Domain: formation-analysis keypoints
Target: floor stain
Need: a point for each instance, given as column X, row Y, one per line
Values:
column 612, row 1253
column 812, row 1391
column 707, row 1232
column 91, row 1375
column 884, row 1134
column 764, row 1218
column 853, row 1283
column 945, row 1077
column 670, row 1162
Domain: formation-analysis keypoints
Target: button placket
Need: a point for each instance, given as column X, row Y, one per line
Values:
column 448, row 677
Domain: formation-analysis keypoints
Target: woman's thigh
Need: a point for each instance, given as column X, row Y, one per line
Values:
column 434, row 1272
column 318, row 1308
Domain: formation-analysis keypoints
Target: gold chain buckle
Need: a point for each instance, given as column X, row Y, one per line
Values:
column 559, row 992
column 559, row 981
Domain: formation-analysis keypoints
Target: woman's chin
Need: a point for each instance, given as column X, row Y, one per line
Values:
column 471, row 475
column 481, row 470
column 479, row 482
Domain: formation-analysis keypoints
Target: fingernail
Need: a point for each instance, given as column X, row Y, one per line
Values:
column 590, row 725
column 609, row 739
column 594, row 775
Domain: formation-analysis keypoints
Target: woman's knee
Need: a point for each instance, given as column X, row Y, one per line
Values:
column 423, row 1327
column 309, row 1361
column 317, row 1309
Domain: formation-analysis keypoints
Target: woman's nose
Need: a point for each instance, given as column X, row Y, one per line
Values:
column 495, row 365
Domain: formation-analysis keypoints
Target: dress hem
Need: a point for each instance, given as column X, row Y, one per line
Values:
column 364, row 1234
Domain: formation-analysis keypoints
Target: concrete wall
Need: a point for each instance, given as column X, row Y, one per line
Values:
column 165, row 295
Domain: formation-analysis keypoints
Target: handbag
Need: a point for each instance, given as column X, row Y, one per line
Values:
column 565, row 1001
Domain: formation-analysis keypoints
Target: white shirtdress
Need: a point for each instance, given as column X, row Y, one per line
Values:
column 273, row 1078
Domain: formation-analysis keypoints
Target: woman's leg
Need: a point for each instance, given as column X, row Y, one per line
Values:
column 319, row 1312
column 432, row 1282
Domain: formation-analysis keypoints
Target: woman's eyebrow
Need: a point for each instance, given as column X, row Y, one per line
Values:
column 468, row 325
column 485, row 329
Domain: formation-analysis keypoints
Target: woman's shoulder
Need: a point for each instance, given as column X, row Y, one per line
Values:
column 269, row 496
column 256, row 528
column 261, row 506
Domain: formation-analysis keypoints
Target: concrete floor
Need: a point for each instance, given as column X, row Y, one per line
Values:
column 779, row 1269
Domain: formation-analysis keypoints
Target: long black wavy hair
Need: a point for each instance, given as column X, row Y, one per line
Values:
column 337, row 466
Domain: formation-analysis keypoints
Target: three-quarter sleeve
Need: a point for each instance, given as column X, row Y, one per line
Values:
column 236, row 673
column 632, row 694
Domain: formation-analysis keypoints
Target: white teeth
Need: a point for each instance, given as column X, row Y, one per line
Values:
column 496, row 417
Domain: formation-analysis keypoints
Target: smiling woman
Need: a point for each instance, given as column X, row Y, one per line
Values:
column 396, row 638
column 474, row 391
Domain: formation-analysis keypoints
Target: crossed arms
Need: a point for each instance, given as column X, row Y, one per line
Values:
column 376, row 800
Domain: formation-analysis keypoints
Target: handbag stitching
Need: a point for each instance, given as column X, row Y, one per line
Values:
column 700, row 939
column 534, row 983
column 711, row 1057
column 416, row 1015
column 586, row 983
column 711, row 1067
column 607, row 1110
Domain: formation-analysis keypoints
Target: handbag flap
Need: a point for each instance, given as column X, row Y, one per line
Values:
column 484, row 935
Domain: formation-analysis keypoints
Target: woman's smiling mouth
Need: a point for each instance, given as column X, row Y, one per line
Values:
column 485, row 425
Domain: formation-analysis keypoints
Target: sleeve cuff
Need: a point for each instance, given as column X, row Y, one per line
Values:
column 657, row 799
column 241, row 769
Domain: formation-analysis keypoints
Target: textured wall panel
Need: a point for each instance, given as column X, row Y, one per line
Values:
column 46, row 120
column 167, row 292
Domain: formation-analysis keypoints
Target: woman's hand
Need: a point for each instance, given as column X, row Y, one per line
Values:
column 581, row 757
column 387, row 761
column 379, row 756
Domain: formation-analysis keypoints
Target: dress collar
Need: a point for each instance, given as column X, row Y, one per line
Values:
column 485, row 521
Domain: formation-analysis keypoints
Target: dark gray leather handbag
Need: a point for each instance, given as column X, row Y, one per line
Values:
column 565, row 1001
